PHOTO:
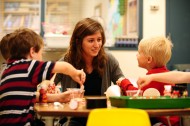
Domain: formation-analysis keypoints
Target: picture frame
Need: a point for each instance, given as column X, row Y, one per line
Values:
column 98, row 10
column 132, row 18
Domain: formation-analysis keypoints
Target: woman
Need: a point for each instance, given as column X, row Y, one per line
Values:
column 87, row 52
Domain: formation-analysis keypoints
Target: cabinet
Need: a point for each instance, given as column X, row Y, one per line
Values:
column 26, row 13
column 57, row 11
column 57, row 16
column 20, row 13
column 62, row 14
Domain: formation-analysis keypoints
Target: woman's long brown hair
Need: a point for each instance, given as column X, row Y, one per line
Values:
column 73, row 55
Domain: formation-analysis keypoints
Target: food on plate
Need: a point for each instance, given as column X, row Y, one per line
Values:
column 151, row 92
column 52, row 89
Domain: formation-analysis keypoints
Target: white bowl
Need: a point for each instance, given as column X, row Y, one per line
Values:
column 113, row 90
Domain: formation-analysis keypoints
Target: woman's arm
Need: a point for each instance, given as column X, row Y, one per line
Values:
column 167, row 77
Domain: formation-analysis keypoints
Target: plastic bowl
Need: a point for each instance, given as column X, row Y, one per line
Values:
column 76, row 92
column 133, row 92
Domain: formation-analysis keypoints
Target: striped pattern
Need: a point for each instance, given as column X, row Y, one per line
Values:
column 17, row 90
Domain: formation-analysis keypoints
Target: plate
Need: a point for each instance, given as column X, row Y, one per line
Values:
column 151, row 92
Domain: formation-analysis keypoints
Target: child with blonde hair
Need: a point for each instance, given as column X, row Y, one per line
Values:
column 153, row 55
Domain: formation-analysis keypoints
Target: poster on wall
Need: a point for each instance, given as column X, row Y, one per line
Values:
column 115, row 21
column 132, row 18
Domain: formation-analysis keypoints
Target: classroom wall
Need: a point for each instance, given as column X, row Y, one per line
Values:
column 89, row 5
column 128, row 63
column 154, row 21
column 153, row 24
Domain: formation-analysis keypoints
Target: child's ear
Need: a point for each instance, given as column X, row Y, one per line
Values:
column 32, row 52
column 149, row 58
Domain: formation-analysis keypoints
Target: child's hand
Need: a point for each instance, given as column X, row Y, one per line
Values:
column 118, row 82
column 79, row 77
column 44, row 84
column 83, row 78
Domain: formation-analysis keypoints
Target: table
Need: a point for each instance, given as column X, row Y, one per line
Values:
column 63, row 110
column 60, row 110
column 50, row 110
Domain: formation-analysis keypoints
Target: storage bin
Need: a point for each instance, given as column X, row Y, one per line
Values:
column 57, row 40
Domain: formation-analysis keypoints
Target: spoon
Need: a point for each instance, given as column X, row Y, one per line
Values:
column 53, row 77
column 82, row 86
column 137, row 94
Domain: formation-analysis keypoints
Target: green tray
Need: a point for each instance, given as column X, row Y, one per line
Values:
column 150, row 103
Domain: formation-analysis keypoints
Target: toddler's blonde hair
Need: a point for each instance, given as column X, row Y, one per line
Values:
column 159, row 48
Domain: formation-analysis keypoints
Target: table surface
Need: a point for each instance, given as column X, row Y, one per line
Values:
column 49, row 109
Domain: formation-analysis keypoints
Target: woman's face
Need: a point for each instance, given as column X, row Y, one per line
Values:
column 92, row 44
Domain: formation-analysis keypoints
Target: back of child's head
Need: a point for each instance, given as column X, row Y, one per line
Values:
column 4, row 46
column 21, row 41
column 159, row 48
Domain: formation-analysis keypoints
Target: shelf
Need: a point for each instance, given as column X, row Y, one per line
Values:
column 57, row 1
column 26, row 13
column 122, row 48
column 12, row 29
column 21, row 12
column 31, row 1
column 58, row 13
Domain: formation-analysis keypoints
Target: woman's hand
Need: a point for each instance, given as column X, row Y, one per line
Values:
column 64, row 97
column 144, row 80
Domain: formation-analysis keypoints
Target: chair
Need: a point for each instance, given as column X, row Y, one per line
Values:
column 118, row 117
